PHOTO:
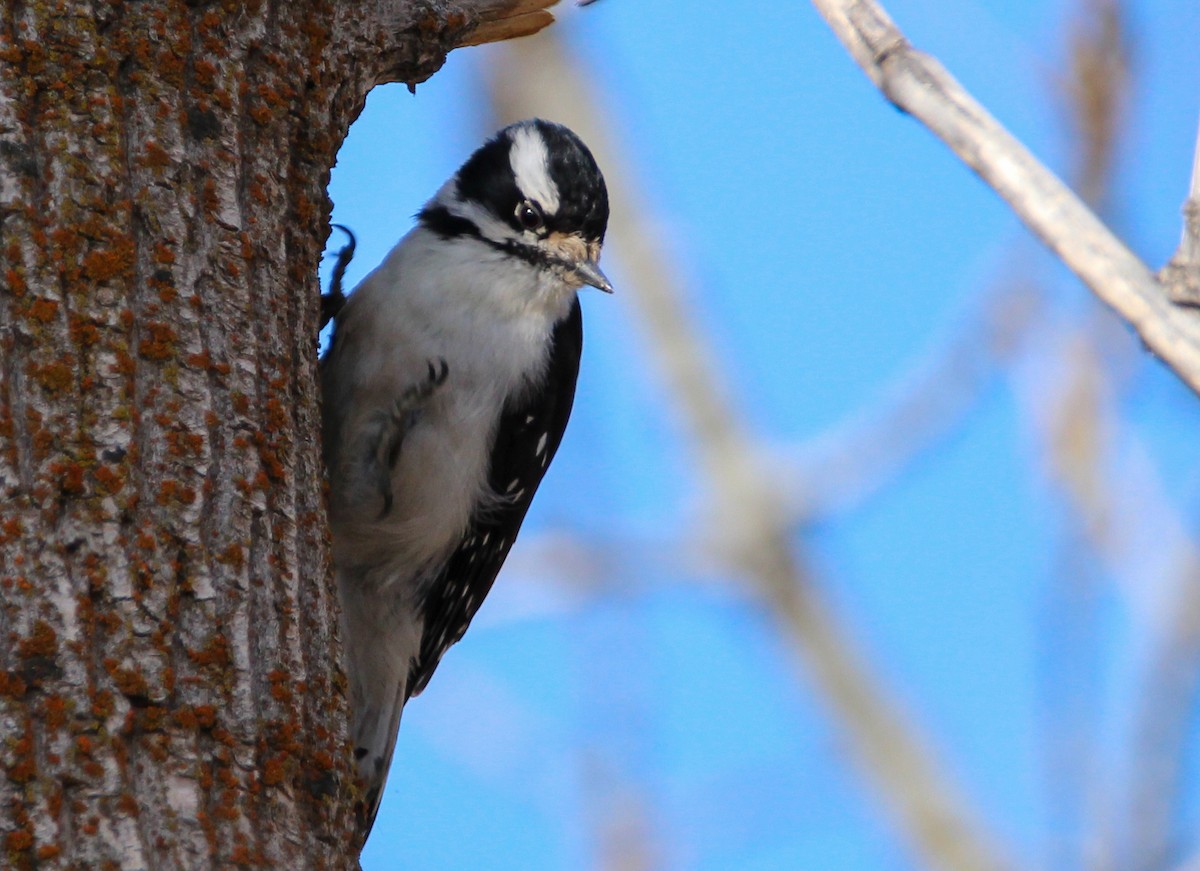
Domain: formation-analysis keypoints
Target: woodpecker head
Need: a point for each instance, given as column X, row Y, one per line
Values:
column 533, row 191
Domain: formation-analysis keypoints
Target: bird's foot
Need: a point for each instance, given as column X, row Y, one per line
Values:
column 404, row 414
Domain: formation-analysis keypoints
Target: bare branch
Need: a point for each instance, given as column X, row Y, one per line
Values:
column 402, row 41
column 920, row 86
column 931, row 813
column 848, row 464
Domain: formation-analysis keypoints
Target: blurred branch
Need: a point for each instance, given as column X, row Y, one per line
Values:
column 1080, row 420
column 1163, row 719
column 1097, row 91
column 621, row 816
column 919, row 85
column 846, row 465
column 1075, row 439
column 1085, row 426
column 1125, row 519
column 933, row 816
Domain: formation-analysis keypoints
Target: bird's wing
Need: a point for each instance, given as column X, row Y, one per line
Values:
column 526, row 440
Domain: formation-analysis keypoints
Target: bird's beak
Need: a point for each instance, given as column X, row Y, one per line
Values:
column 588, row 271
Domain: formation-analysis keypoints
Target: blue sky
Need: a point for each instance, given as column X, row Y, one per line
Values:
column 829, row 245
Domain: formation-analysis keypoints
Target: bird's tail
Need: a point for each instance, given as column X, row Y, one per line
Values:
column 379, row 647
column 373, row 730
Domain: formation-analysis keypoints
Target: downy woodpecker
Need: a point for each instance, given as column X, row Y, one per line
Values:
column 446, row 390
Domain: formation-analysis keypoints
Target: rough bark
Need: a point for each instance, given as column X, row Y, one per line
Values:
column 169, row 689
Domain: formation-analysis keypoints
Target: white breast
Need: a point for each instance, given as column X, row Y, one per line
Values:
column 489, row 317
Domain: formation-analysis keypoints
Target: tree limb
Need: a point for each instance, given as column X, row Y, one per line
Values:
column 508, row 19
column 406, row 41
column 919, row 85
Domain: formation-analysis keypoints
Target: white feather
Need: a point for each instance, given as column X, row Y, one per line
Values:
column 531, row 165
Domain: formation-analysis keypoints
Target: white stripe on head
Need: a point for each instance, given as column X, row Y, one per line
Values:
column 489, row 225
column 531, row 166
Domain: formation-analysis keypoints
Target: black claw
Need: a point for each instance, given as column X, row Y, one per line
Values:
column 393, row 455
column 345, row 230
column 387, row 503
column 437, row 376
column 404, row 414
column 332, row 302
column 414, row 396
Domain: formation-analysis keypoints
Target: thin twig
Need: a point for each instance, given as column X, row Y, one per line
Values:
column 1142, row 832
column 1078, row 424
column 920, row 86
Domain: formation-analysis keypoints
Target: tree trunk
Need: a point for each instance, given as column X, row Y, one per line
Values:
column 170, row 686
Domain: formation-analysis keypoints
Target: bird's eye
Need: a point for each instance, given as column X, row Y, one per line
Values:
column 529, row 215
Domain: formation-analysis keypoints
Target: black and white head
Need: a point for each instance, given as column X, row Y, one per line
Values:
column 534, row 192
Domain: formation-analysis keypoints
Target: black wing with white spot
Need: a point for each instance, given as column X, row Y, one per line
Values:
column 526, row 441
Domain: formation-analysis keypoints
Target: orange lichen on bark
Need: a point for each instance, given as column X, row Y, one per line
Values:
column 109, row 480
column 154, row 156
column 54, row 377
column 129, row 682
column 46, row 852
column 43, row 310
column 158, row 342
column 12, row 685
column 42, row 641
column 84, row 331
column 173, row 492
column 215, row 653
column 105, row 264
column 19, row 841
column 55, row 712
